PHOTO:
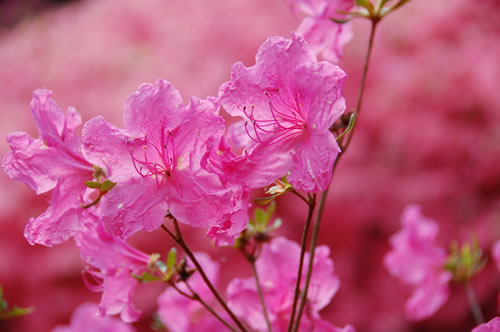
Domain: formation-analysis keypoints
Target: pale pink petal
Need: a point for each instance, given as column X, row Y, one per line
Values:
column 414, row 254
column 326, row 37
column 62, row 219
column 429, row 296
column 106, row 146
column 312, row 165
column 152, row 108
column 117, row 296
column 138, row 204
column 30, row 162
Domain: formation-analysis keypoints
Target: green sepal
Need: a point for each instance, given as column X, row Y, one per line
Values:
column 262, row 217
column 171, row 259
column 465, row 261
column 107, row 186
column 93, row 184
column 146, row 277
column 364, row 3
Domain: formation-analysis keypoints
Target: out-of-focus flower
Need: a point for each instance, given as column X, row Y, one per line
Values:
column 51, row 162
column 86, row 318
column 289, row 100
column 111, row 263
column 181, row 314
column 492, row 326
column 417, row 261
column 326, row 37
column 277, row 267
column 156, row 162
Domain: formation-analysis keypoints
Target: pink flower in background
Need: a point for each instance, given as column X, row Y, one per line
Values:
column 326, row 37
column 492, row 326
column 51, row 162
column 277, row 267
column 86, row 318
column 417, row 261
column 288, row 101
column 156, row 162
column 111, row 263
column 180, row 314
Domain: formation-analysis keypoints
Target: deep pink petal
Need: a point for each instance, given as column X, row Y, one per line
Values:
column 491, row 326
column 86, row 318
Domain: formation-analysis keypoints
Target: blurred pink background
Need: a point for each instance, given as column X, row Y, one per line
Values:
column 429, row 133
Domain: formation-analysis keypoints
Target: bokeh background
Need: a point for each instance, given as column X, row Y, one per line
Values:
column 429, row 133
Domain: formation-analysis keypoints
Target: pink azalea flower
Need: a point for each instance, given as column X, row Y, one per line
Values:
column 52, row 162
column 277, row 267
column 417, row 261
column 156, row 162
column 86, row 318
column 289, row 100
column 492, row 326
column 326, row 37
column 111, row 262
column 180, row 314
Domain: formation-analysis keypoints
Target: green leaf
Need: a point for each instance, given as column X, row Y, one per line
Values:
column 107, row 186
column 93, row 184
column 171, row 259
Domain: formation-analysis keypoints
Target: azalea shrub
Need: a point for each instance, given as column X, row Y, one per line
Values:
column 128, row 198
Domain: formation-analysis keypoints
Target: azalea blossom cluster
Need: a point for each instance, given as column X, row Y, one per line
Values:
column 176, row 162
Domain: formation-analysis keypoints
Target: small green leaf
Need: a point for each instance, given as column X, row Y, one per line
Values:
column 107, row 186
column 93, row 184
column 171, row 259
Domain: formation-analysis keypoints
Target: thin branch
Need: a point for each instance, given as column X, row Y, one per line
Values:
column 474, row 304
column 196, row 297
column 180, row 241
column 325, row 193
column 305, row 233
column 261, row 295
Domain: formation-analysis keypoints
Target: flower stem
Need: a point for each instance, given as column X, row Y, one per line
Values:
column 305, row 233
column 261, row 296
column 196, row 297
column 324, row 195
column 180, row 241
column 362, row 84
column 473, row 303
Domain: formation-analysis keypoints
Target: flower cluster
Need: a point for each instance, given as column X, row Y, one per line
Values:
column 175, row 161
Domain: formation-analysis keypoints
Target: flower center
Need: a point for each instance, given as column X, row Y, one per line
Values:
column 154, row 156
column 283, row 121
